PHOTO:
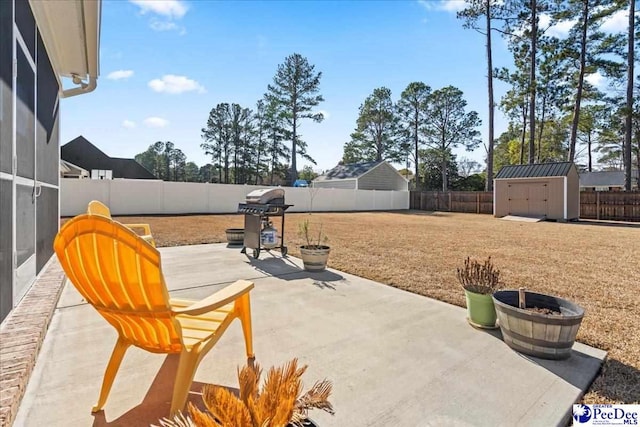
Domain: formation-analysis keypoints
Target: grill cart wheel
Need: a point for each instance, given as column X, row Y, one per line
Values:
column 256, row 253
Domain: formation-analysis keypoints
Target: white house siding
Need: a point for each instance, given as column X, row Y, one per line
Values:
column 336, row 183
column 382, row 177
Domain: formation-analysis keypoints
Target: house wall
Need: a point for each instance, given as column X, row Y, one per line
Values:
column 382, row 177
column 29, row 149
column 6, row 153
column 133, row 197
column 335, row 183
column 554, row 193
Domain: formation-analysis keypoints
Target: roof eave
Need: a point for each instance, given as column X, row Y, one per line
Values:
column 70, row 30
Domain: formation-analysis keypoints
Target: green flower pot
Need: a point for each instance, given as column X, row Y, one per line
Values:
column 481, row 312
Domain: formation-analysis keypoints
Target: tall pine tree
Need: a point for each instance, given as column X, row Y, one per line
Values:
column 296, row 88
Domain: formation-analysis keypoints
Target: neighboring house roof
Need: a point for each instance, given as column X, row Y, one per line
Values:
column 67, row 168
column 84, row 154
column 535, row 170
column 604, row 178
column 349, row 171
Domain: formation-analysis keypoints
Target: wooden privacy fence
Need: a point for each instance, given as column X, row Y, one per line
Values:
column 610, row 205
column 453, row 201
column 605, row 205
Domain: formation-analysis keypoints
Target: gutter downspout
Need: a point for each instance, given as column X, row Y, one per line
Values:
column 83, row 88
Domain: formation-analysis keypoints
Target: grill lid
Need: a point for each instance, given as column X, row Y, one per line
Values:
column 266, row 195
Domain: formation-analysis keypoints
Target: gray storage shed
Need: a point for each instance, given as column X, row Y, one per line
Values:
column 549, row 190
column 363, row 176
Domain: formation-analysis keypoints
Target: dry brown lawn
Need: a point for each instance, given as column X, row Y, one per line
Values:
column 595, row 265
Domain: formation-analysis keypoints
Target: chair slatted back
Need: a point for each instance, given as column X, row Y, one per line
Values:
column 98, row 208
column 118, row 273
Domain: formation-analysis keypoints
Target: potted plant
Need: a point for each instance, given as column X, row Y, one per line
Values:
column 235, row 236
column 279, row 403
column 479, row 282
column 315, row 253
column 537, row 324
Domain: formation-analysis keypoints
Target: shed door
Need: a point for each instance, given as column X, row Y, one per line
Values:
column 538, row 199
column 528, row 199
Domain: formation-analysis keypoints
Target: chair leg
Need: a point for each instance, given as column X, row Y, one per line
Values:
column 184, row 377
column 243, row 305
column 110, row 373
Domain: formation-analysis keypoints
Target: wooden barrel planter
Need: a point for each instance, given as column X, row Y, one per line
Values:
column 549, row 336
column 314, row 258
column 235, row 236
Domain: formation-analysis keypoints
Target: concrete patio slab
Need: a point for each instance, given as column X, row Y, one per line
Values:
column 395, row 358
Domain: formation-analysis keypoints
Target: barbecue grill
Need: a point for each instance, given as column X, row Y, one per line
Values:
column 259, row 233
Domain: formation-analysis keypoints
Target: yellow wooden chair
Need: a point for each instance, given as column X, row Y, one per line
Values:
column 121, row 276
column 98, row 208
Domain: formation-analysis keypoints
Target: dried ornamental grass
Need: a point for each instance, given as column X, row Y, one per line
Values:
column 280, row 401
column 479, row 278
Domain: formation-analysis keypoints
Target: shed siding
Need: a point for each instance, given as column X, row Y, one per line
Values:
column 556, row 198
column 382, row 177
column 528, row 193
column 336, row 183
column 500, row 204
column 530, row 188
column 573, row 194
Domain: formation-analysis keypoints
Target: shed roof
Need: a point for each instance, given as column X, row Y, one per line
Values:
column 349, row 171
column 535, row 170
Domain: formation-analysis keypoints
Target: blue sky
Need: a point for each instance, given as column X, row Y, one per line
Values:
column 165, row 64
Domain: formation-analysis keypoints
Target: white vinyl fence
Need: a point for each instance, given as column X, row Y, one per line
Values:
column 149, row 197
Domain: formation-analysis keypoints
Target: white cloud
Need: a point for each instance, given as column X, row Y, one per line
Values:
column 155, row 122
column 120, row 74
column 325, row 114
column 173, row 84
column 616, row 23
column 173, row 9
column 157, row 25
column 128, row 124
column 165, row 12
column 452, row 5
column 443, row 5
column 559, row 29
column 562, row 28
column 596, row 79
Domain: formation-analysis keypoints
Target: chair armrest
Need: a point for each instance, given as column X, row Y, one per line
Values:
column 145, row 227
column 217, row 300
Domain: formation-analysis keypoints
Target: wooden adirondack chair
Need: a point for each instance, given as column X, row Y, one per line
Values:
column 98, row 208
column 121, row 276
